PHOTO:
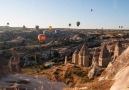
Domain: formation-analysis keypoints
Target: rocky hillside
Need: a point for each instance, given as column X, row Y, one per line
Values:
column 118, row 70
column 27, row 82
column 69, row 74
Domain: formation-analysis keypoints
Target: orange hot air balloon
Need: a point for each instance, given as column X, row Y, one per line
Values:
column 41, row 37
column 50, row 27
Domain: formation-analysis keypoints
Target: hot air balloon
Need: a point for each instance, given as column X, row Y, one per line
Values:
column 78, row 23
column 24, row 26
column 50, row 28
column 91, row 10
column 7, row 23
column 41, row 37
column 37, row 27
column 69, row 24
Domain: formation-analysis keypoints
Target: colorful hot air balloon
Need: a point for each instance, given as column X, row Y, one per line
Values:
column 50, row 28
column 41, row 37
column 78, row 23
column 37, row 27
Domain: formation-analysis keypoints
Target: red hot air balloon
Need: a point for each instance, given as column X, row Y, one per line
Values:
column 41, row 37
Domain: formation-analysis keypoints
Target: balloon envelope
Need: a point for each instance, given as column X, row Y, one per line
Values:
column 69, row 24
column 78, row 23
column 37, row 27
column 50, row 27
column 41, row 37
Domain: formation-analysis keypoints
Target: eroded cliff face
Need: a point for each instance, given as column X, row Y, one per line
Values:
column 121, row 62
column 118, row 71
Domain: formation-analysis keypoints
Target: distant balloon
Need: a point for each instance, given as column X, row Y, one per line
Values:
column 24, row 26
column 41, row 37
column 37, row 27
column 50, row 28
column 7, row 23
column 91, row 10
column 69, row 24
column 119, row 26
column 78, row 23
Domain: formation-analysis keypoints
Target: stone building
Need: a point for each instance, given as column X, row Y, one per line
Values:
column 14, row 64
column 81, row 57
column 104, row 57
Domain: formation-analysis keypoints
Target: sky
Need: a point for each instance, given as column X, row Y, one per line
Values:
column 109, row 14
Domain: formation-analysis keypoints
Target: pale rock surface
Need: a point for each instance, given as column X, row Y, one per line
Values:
column 35, row 82
column 118, row 71
column 122, row 80
column 121, row 62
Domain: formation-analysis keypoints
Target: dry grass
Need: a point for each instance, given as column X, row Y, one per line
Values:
column 95, row 85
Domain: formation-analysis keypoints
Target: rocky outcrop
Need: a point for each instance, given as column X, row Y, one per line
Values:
column 27, row 82
column 13, row 64
column 75, row 57
column 120, row 63
column 118, row 50
column 66, row 60
column 95, row 56
column 94, row 69
column 122, row 81
column 82, row 57
column 104, row 57
column 118, row 71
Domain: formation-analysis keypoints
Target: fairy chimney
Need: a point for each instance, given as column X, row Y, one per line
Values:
column 66, row 59
column 83, row 56
column 117, row 50
column 14, row 64
column 95, row 56
column 104, row 57
column 75, row 57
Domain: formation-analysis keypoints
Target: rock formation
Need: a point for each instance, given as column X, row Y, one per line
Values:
column 118, row 71
column 14, row 64
column 121, row 62
column 82, row 57
column 66, row 60
column 27, row 82
column 75, row 57
column 118, row 50
column 95, row 56
column 94, row 69
column 104, row 57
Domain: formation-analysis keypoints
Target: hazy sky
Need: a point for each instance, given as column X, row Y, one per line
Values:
column 58, row 13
